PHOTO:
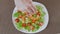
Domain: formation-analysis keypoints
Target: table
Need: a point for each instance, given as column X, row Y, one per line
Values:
column 7, row 27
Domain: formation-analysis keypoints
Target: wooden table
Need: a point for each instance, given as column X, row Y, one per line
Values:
column 6, row 9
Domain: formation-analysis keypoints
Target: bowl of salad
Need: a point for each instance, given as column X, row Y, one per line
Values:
column 31, row 24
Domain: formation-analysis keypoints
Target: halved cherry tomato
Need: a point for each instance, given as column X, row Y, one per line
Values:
column 24, row 25
column 33, row 20
column 28, row 24
column 40, row 24
column 17, row 20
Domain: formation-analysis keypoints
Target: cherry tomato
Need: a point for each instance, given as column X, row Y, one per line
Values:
column 24, row 25
column 33, row 20
column 17, row 20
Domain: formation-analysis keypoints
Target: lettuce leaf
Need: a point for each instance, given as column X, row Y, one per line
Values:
column 40, row 9
column 19, row 25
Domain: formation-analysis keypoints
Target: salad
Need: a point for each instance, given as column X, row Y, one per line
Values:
column 30, row 23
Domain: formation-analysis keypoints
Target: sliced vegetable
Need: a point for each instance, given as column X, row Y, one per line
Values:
column 23, row 24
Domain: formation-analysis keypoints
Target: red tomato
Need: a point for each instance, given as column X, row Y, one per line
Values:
column 40, row 24
column 38, row 14
column 24, row 25
column 17, row 20
column 33, row 20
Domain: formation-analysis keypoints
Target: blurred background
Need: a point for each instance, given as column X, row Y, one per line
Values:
column 6, row 9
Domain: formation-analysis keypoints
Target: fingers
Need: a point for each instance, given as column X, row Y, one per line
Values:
column 28, row 3
column 29, row 6
column 31, row 10
column 32, row 7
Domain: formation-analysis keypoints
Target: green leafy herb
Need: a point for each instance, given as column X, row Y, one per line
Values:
column 19, row 25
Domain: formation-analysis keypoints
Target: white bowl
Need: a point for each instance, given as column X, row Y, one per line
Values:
column 46, row 18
